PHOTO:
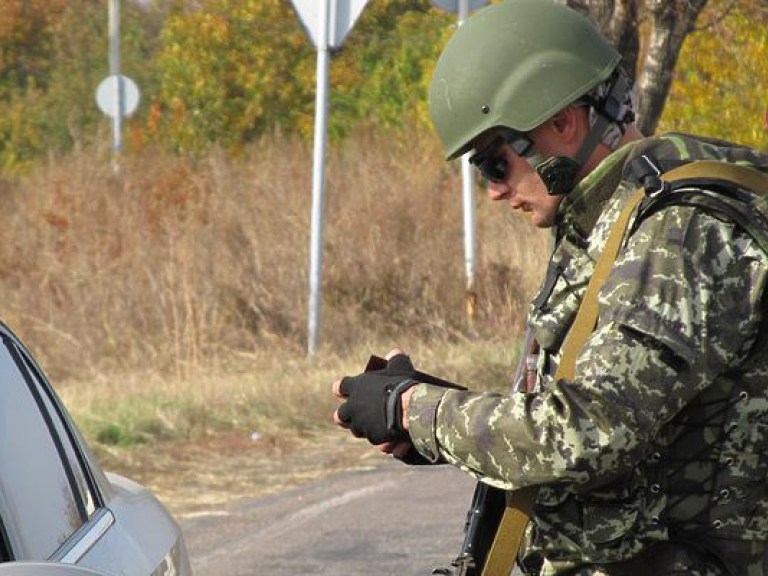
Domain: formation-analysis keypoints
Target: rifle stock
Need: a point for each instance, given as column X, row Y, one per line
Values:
column 483, row 518
column 497, row 515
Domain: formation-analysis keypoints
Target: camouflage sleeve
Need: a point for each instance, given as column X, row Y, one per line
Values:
column 682, row 305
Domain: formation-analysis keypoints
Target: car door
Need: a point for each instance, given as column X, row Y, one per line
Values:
column 50, row 504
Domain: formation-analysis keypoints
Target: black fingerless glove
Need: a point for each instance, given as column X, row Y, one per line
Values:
column 373, row 409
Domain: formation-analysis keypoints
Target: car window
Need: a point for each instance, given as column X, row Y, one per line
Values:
column 5, row 546
column 40, row 495
column 76, row 461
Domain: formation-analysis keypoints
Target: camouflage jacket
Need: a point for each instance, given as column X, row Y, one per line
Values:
column 663, row 433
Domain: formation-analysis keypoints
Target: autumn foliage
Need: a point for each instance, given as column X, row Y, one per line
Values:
column 225, row 72
column 721, row 81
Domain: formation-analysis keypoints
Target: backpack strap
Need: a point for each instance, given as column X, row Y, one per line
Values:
column 700, row 173
column 739, row 181
column 738, row 192
column 682, row 185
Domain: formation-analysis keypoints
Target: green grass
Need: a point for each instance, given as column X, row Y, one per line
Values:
column 281, row 398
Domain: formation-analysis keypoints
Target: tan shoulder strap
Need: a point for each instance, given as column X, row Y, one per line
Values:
column 745, row 176
column 586, row 317
column 509, row 535
column 506, row 543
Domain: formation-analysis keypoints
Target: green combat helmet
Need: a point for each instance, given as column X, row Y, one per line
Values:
column 514, row 65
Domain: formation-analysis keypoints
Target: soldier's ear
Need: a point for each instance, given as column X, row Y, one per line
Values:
column 565, row 124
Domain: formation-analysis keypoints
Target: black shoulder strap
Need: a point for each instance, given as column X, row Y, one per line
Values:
column 740, row 193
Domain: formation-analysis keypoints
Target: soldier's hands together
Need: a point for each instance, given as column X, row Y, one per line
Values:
column 375, row 401
column 373, row 408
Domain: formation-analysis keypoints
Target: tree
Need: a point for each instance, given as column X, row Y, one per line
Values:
column 80, row 61
column 710, row 94
column 25, row 68
column 393, row 51
column 222, row 82
column 650, row 61
column 25, row 42
column 53, row 53
column 231, row 70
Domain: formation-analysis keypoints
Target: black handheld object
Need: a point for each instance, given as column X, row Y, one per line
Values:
column 379, row 363
column 373, row 409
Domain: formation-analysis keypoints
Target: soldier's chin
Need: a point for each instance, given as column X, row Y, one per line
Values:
column 540, row 220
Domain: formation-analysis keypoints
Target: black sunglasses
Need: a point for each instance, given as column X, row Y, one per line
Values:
column 491, row 162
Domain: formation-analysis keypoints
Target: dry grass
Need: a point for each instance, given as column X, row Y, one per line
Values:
column 169, row 301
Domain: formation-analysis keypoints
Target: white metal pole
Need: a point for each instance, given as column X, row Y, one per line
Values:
column 114, row 71
column 468, row 203
column 318, row 178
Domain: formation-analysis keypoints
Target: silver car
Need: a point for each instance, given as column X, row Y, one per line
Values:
column 59, row 512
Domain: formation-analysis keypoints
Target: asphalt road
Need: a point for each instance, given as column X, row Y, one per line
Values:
column 392, row 520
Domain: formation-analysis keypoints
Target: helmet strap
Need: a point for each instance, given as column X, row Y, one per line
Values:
column 559, row 172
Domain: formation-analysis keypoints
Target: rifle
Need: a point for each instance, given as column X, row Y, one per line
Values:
column 483, row 518
column 485, row 513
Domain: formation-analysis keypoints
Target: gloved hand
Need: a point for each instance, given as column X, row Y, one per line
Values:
column 373, row 409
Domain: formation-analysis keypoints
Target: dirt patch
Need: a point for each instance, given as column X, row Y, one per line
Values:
column 201, row 477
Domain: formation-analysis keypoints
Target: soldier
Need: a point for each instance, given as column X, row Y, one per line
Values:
column 651, row 458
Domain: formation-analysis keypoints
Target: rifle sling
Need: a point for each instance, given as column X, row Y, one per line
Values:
column 506, row 544
column 509, row 534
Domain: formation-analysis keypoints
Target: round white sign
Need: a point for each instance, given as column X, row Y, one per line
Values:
column 107, row 95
